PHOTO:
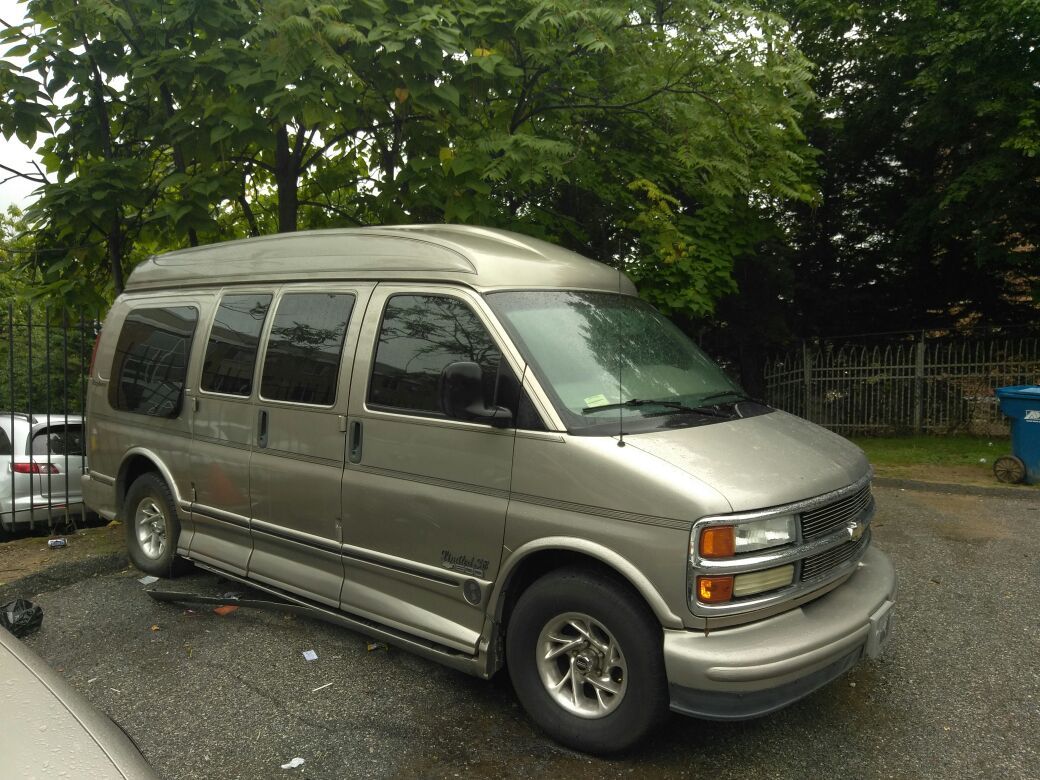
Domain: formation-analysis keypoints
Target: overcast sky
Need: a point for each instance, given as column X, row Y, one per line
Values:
column 14, row 153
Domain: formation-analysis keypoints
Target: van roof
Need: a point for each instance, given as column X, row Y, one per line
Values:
column 483, row 258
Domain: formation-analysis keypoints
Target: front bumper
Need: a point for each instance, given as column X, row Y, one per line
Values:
column 754, row 669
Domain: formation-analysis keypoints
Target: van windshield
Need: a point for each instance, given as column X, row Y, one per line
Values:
column 606, row 358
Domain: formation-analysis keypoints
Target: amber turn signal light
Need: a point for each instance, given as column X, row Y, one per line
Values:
column 718, row 541
column 714, row 590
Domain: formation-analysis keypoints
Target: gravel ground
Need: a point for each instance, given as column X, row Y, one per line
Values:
column 956, row 696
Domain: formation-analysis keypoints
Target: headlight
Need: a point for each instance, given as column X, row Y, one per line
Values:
column 722, row 541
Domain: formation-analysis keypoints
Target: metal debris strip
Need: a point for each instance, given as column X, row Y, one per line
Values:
column 920, row 386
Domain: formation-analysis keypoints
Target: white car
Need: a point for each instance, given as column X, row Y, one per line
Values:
column 41, row 462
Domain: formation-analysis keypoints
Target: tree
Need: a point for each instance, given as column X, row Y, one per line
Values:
column 663, row 137
column 927, row 123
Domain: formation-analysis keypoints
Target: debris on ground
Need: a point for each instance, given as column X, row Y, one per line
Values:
column 21, row 617
column 293, row 764
column 148, row 579
column 377, row 646
column 310, row 655
column 113, row 523
column 225, row 609
column 54, row 544
column 320, row 687
column 155, row 627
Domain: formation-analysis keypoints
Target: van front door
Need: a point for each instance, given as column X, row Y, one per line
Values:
column 424, row 496
column 297, row 463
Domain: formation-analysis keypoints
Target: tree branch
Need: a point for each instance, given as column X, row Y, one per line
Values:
column 38, row 178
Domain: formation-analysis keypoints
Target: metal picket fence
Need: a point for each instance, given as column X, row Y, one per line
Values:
column 45, row 352
column 920, row 386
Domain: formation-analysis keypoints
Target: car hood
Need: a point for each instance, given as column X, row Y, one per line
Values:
column 49, row 729
column 761, row 461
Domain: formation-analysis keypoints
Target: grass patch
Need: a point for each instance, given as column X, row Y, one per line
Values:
column 961, row 460
column 934, row 450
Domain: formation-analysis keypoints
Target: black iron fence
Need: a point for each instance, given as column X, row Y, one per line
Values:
column 909, row 386
column 45, row 353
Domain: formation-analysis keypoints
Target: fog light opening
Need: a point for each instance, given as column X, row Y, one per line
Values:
column 755, row 582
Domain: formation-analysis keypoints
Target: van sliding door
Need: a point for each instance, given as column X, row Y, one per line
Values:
column 299, row 429
column 222, row 426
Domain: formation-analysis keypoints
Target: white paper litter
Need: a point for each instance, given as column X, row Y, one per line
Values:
column 293, row 764
column 148, row 579
column 310, row 655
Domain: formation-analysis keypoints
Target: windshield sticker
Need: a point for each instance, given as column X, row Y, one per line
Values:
column 596, row 400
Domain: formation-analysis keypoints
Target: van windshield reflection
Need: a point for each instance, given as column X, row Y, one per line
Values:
column 614, row 352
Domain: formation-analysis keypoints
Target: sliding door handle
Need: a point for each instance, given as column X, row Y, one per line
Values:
column 261, row 429
column 354, row 442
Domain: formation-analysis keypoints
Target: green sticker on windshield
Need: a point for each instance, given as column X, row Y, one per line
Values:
column 596, row 400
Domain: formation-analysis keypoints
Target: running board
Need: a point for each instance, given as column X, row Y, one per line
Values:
column 475, row 665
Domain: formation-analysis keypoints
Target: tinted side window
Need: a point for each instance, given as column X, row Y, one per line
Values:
column 5, row 443
column 303, row 352
column 59, row 440
column 419, row 336
column 151, row 360
column 233, row 341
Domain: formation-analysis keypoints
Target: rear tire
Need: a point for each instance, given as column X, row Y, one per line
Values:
column 585, row 656
column 152, row 527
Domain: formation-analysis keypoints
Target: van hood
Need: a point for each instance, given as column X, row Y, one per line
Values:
column 761, row 461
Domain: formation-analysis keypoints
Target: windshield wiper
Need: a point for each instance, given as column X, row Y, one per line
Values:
column 637, row 402
column 737, row 396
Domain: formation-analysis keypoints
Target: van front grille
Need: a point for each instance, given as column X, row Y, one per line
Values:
column 827, row 519
column 822, row 564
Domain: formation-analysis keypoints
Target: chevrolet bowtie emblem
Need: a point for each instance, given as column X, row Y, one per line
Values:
column 855, row 530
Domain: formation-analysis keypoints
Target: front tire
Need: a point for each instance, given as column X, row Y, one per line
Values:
column 152, row 527
column 584, row 654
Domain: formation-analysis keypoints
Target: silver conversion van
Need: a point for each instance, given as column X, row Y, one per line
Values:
column 487, row 450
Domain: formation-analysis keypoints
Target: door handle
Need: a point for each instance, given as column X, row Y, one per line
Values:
column 354, row 442
column 261, row 429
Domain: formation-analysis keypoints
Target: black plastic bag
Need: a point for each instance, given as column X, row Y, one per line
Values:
column 21, row 617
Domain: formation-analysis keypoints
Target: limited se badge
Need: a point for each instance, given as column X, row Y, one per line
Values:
column 464, row 564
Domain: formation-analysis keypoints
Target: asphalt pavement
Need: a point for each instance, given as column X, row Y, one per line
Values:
column 957, row 694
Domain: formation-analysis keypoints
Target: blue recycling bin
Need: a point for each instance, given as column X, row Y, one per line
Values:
column 1022, row 404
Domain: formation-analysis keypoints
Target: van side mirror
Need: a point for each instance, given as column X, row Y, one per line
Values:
column 461, row 393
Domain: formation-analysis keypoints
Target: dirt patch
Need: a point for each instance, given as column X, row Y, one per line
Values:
column 960, row 518
column 957, row 475
column 28, row 565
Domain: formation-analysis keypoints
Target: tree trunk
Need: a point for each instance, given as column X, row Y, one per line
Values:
column 287, row 176
column 114, row 242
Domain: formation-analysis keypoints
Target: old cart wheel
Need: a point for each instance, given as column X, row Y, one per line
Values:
column 1009, row 469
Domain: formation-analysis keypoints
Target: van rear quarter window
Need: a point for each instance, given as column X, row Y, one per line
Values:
column 233, row 341
column 151, row 360
column 301, row 363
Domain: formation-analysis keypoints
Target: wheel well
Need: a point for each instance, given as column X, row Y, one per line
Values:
column 132, row 468
column 538, row 564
